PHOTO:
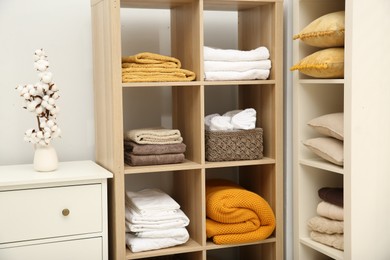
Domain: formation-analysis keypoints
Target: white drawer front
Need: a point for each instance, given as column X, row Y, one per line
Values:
column 83, row 249
column 41, row 213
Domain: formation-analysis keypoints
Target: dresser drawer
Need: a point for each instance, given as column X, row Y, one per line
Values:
column 50, row 212
column 82, row 249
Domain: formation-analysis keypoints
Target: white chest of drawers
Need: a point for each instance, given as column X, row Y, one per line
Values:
column 58, row 215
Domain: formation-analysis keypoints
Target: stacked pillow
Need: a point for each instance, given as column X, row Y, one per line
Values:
column 329, row 145
column 325, row 32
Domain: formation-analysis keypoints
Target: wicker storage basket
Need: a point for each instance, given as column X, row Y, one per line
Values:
column 234, row 145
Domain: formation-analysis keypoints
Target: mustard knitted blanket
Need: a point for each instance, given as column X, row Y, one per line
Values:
column 236, row 215
column 152, row 67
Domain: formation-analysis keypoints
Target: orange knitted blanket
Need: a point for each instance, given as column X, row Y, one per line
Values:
column 236, row 215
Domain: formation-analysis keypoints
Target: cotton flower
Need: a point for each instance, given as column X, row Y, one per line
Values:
column 40, row 98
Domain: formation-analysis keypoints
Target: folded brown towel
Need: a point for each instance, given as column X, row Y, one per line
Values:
column 334, row 240
column 142, row 160
column 149, row 149
column 332, row 195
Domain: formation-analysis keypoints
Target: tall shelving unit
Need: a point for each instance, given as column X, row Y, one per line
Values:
column 259, row 24
column 362, row 95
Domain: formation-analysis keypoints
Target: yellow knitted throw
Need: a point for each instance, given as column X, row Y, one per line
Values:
column 152, row 67
column 236, row 215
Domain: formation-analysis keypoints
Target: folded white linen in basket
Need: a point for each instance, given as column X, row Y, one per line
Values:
column 139, row 244
column 178, row 218
column 260, row 53
column 154, row 136
column 236, row 65
column 162, row 233
column 245, row 119
column 220, row 123
column 328, row 210
column 207, row 120
column 237, row 75
column 151, row 201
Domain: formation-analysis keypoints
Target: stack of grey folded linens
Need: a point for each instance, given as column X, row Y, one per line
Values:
column 153, row 146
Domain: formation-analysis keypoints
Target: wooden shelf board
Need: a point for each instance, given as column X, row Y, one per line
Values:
column 265, row 160
column 327, row 250
column 238, row 82
column 186, row 165
column 197, row 83
column 321, row 81
column 190, row 246
column 153, row 4
column 234, row 5
column 322, row 164
column 210, row 245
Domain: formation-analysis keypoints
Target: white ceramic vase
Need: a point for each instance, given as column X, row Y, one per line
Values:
column 45, row 158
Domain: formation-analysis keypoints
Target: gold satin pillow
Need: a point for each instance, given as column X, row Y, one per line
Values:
column 324, row 32
column 327, row 63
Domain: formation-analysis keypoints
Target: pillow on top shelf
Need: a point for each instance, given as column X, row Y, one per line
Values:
column 329, row 125
column 326, row 64
column 328, row 148
column 324, row 32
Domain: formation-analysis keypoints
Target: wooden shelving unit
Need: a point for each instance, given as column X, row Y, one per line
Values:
column 363, row 144
column 259, row 24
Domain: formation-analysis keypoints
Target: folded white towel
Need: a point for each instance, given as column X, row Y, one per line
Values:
column 162, row 233
column 207, row 120
column 150, row 201
column 232, row 112
column 245, row 119
column 260, row 53
column 154, row 136
column 178, row 218
column 237, row 75
column 236, row 65
column 220, row 123
column 328, row 210
column 139, row 244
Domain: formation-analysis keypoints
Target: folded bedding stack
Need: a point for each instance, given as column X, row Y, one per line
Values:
column 231, row 120
column 152, row 146
column 236, row 215
column 230, row 64
column 152, row 67
column 328, row 226
column 153, row 221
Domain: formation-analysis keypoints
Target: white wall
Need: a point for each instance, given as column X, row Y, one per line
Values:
column 63, row 29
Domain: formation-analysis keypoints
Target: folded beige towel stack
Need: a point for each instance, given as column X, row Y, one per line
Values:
column 152, row 146
column 152, row 67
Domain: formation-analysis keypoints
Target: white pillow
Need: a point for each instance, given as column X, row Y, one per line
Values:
column 330, row 125
column 328, row 148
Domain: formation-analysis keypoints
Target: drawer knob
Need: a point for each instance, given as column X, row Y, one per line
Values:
column 65, row 212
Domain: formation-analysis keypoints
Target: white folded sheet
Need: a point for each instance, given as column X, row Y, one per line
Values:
column 162, row 233
column 236, row 65
column 260, row 53
column 139, row 244
column 151, row 201
column 237, row 75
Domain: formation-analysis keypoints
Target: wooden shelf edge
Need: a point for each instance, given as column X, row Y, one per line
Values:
column 190, row 246
column 197, row 83
column 322, row 164
column 186, row 165
column 324, row 249
column 211, row 245
column 321, row 81
column 264, row 160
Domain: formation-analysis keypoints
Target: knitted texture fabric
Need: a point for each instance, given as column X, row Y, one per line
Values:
column 236, row 215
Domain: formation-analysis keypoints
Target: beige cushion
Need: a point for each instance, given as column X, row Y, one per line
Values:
column 324, row 32
column 327, row 63
column 330, row 125
column 327, row 148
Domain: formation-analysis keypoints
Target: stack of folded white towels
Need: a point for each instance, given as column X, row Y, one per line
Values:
column 228, row 64
column 232, row 120
column 153, row 221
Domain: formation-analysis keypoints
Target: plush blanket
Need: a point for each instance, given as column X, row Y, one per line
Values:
column 151, row 58
column 326, row 225
column 331, row 211
column 334, row 240
column 156, row 75
column 153, row 159
column 236, row 215
column 154, row 136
